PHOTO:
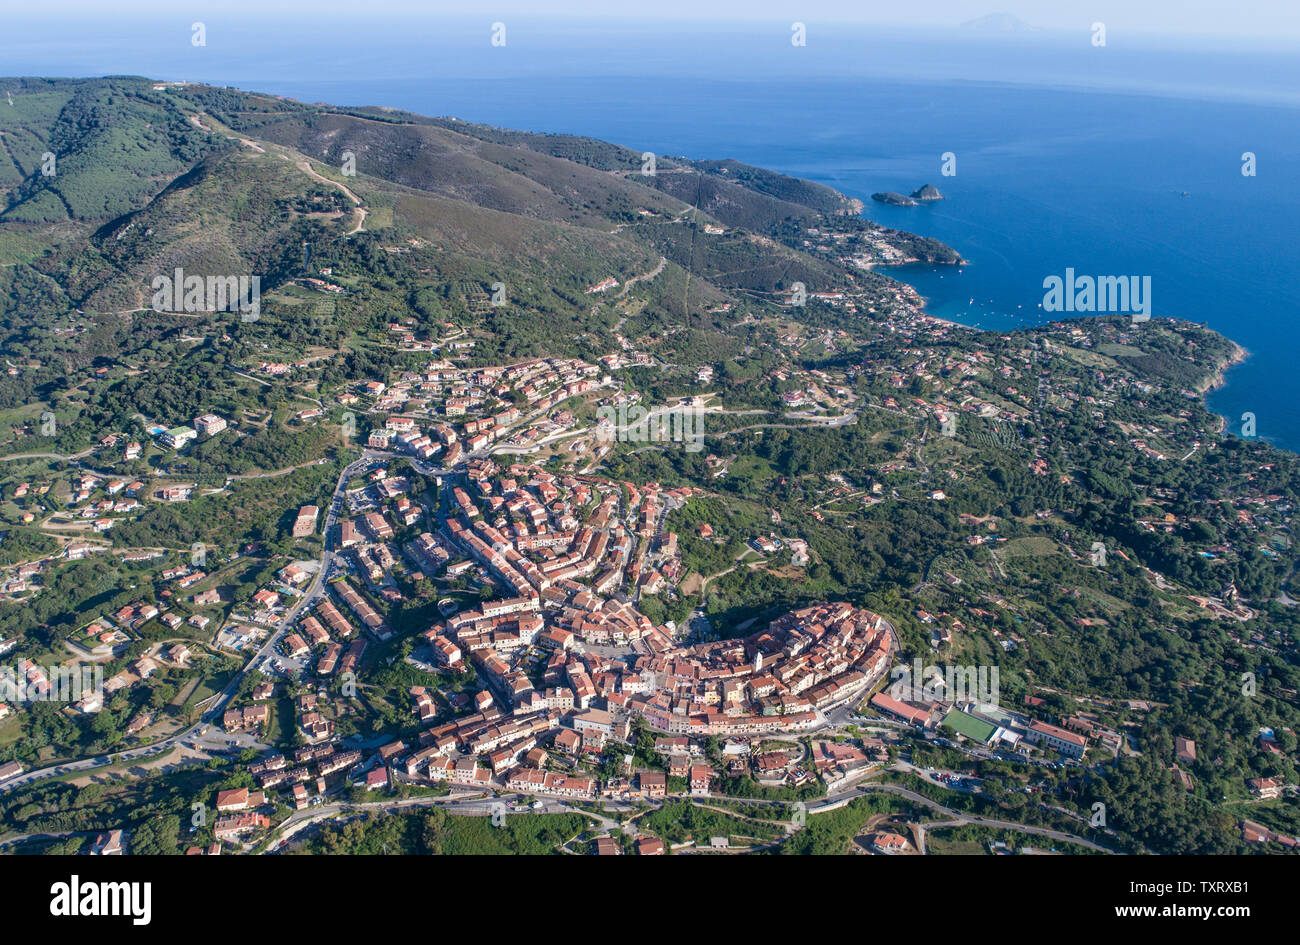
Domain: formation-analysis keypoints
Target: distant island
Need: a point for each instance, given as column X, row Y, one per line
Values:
column 998, row 23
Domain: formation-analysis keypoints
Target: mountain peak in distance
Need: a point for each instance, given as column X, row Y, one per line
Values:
column 998, row 23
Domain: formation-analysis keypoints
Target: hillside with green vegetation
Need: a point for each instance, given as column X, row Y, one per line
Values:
column 1086, row 525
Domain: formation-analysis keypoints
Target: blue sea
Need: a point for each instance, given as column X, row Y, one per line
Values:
column 1123, row 160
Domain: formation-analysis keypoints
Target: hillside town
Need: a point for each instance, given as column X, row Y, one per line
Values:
column 550, row 662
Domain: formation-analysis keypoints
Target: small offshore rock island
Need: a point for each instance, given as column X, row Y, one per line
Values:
column 925, row 194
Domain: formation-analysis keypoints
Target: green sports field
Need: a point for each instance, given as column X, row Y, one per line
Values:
column 968, row 725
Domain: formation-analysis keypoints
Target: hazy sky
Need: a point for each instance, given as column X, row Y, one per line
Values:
column 1272, row 19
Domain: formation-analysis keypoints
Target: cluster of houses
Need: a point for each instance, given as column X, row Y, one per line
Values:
column 598, row 662
column 533, row 740
column 468, row 409
column 805, row 663
column 92, row 497
column 316, row 635
column 565, row 658
column 480, row 399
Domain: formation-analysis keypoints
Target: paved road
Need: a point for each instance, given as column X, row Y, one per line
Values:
column 19, row 838
column 962, row 817
column 471, row 805
column 465, row 805
column 190, row 737
column 72, row 459
column 329, row 559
